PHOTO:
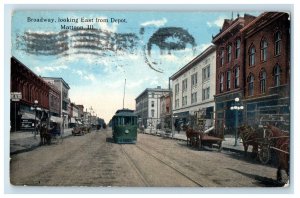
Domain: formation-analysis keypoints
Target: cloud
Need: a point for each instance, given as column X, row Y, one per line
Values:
column 204, row 46
column 44, row 69
column 218, row 22
column 156, row 23
column 85, row 76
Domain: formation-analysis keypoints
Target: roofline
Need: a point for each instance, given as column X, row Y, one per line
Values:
column 197, row 59
column 152, row 89
column 221, row 34
column 58, row 78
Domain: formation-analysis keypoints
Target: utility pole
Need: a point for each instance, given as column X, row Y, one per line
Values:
column 124, row 93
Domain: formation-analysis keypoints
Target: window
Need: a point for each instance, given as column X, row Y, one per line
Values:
column 152, row 95
column 194, row 79
column 176, row 103
column 152, row 103
column 221, row 83
column 205, row 93
column 237, row 48
column 277, row 43
column 277, row 72
column 184, row 100
column 263, row 77
column 184, row 85
column 229, row 49
column 251, row 85
column 176, row 89
column 206, row 73
column 222, row 57
column 194, row 98
column 228, row 80
column 152, row 113
column 252, row 56
column 236, row 77
column 263, row 50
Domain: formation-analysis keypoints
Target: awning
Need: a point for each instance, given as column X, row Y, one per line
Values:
column 29, row 116
column 56, row 119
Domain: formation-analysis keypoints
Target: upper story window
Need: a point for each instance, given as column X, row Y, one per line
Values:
column 221, row 80
column 263, row 81
column 250, row 85
column 176, row 103
column 252, row 55
column 263, row 50
column 206, row 73
column 193, row 98
column 177, row 89
column 152, row 103
column 237, row 48
column 236, row 77
column 205, row 93
column 277, row 72
column 184, row 100
column 229, row 51
column 222, row 57
column 277, row 46
column 228, row 80
column 184, row 85
column 194, row 79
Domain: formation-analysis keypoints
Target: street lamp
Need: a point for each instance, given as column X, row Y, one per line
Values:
column 35, row 107
column 236, row 107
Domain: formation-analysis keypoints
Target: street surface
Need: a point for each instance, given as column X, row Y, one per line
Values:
column 93, row 160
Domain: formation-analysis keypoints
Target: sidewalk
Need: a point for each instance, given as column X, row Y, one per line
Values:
column 21, row 141
column 227, row 144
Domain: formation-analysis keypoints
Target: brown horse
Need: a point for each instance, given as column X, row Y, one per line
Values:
column 280, row 142
column 192, row 136
column 249, row 137
column 45, row 135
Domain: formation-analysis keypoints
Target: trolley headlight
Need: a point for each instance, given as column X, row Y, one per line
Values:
column 126, row 131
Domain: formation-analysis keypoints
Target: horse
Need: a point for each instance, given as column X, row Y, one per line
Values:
column 192, row 136
column 249, row 137
column 280, row 142
column 44, row 135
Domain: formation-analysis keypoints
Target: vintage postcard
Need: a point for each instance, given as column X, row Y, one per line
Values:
column 150, row 98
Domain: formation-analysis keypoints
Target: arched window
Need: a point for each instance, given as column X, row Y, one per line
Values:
column 222, row 57
column 250, row 84
column 263, row 81
column 252, row 55
column 237, row 48
column 236, row 77
column 277, row 72
column 229, row 51
column 221, row 82
column 263, row 50
column 277, row 46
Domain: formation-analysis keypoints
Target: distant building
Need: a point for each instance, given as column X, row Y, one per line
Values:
column 148, row 106
column 80, row 112
column 193, row 88
column 165, row 111
column 63, row 87
column 267, row 69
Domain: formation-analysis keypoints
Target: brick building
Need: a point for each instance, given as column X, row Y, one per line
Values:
column 230, row 55
column 165, row 111
column 267, row 68
column 32, row 87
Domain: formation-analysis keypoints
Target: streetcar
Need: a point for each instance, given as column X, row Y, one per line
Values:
column 124, row 126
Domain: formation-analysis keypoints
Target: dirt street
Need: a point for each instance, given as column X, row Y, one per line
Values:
column 93, row 160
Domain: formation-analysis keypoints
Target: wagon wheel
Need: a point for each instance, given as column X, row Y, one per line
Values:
column 264, row 154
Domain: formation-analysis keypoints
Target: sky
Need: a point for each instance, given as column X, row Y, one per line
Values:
column 145, row 48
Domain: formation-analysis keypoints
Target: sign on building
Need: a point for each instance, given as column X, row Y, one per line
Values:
column 15, row 96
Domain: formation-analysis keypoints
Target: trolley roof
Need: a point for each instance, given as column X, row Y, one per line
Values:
column 124, row 112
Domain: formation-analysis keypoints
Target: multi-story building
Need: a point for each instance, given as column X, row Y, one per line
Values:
column 193, row 88
column 54, row 104
column 80, row 112
column 230, row 56
column 148, row 106
column 63, row 88
column 32, row 88
column 267, row 69
column 165, row 111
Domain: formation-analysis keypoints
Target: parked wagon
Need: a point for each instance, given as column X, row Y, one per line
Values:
column 124, row 126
